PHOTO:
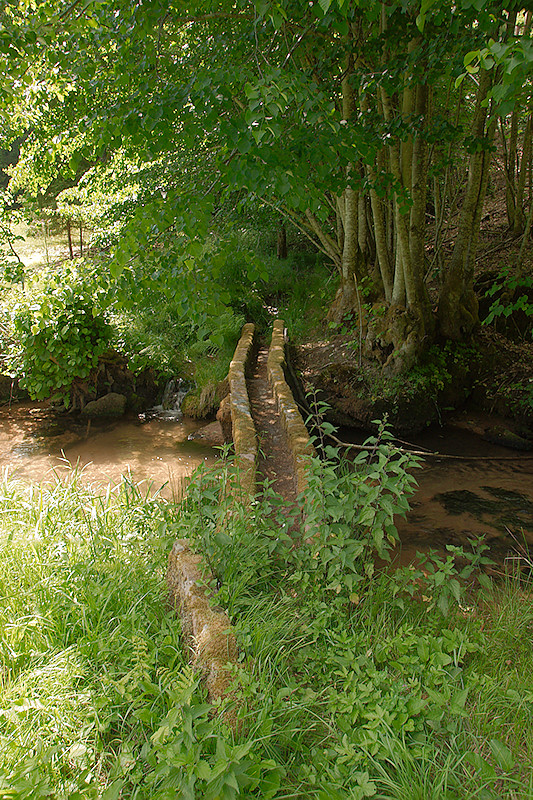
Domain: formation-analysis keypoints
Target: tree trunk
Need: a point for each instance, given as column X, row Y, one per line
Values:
column 458, row 306
column 69, row 236
column 520, row 217
column 418, row 300
column 347, row 207
column 281, row 248
column 510, row 168
column 410, row 228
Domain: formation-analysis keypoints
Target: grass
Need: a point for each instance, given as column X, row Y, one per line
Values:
column 382, row 695
column 87, row 647
column 299, row 288
column 378, row 696
column 306, row 291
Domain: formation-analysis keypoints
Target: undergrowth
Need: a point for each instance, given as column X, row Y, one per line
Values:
column 367, row 683
column 352, row 682
column 179, row 311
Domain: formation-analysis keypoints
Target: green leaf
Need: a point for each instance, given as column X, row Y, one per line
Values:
column 115, row 268
column 455, row 589
column 270, row 781
column 217, row 339
column 244, row 145
column 458, row 701
column 113, row 792
column 502, row 755
column 203, row 770
column 415, row 705
column 470, row 57
column 443, row 604
column 250, row 91
column 484, row 580
column 486, row 771
column 330, row 794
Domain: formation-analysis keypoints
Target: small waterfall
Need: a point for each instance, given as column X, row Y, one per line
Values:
column 170, row 406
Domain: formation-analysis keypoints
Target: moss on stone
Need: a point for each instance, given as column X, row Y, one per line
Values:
column 300, row 444
column 207, row 631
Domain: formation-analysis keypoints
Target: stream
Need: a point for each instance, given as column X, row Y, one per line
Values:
column 37, row 445
column 487, row 492
column 469, row 488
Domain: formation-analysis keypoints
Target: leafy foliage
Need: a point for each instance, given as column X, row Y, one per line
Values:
column 157, row 121
column 349, row 511
column 381, row 690
column 518, row 287
column 60, row 331
column 98, row 698
column 443, row 580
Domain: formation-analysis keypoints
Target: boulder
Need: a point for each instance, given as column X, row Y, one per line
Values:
column 110, row 405
column 210, row 434
column 224, row 419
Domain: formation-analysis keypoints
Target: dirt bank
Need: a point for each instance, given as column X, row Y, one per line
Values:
column 491, row 373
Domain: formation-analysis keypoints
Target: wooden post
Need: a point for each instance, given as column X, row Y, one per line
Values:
column 69, row 234
column 282, row 242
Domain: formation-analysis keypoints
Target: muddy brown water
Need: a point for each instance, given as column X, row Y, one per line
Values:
column 36, row 445
column 487, row 492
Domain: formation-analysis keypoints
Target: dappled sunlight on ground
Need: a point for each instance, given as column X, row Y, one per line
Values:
column 36, row 249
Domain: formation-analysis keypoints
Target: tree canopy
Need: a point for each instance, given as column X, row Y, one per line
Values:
column 370, row 126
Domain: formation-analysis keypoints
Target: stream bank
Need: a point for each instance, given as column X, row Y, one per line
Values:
column 490, row 375
column 480, row 420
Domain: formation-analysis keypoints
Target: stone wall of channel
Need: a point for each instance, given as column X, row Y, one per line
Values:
column 242, row 424
column 299, row 443
column 207, row 631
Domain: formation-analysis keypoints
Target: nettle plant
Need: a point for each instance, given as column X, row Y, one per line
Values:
column 347, row 519
column 511, row 293
column 60, row 331
column 349, row 509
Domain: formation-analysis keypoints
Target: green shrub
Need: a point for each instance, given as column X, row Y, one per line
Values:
column 512, row 293
column 349, row 510
column 59, row 331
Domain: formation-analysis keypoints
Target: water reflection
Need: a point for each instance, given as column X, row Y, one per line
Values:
column 488, row 494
